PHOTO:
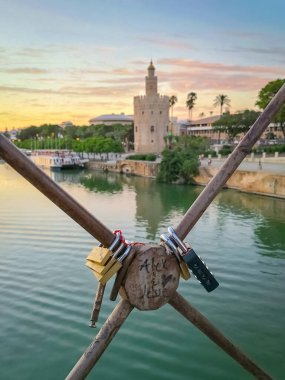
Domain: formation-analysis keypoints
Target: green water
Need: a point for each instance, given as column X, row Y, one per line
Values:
column 47, row 292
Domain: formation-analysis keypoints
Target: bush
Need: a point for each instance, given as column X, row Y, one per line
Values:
column 142, row 157
column 226, row 150
column 178, row 164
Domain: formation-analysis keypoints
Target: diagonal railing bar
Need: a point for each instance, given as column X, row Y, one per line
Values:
column 204, row 325
column 23, row 165
column 101, row 342
column 216, row 184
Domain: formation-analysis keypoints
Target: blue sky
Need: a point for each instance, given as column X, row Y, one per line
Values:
column 75, row 60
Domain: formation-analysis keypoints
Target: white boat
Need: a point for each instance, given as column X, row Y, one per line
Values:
column 58, row 159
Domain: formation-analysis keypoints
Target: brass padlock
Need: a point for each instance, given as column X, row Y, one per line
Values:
column 114, row 268
column 100, row 255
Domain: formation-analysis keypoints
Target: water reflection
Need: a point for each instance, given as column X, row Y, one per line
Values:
column 158, row 203
column 267, row 214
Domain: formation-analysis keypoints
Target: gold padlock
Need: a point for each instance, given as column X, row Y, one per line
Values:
column 114, row 268
column 184, row 271
column 100, row 255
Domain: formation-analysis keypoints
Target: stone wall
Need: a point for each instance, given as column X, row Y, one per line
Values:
column 252, row 182
column 140, row 168
column 260, row 182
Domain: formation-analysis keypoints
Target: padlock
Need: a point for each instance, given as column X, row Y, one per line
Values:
column 184, row 271
column 102, row 269
column 114, row 268
column 99, row 255
column 195, row 264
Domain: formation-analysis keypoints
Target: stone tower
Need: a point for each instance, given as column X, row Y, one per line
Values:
column 151, row 117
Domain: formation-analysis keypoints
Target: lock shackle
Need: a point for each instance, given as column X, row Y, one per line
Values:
column 115, row 242
column 125, row 254
column 119, row 250
column 176, row 239
column 171, row 246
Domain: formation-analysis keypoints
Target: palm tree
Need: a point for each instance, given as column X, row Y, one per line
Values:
column 172, row 100
column 201, row 114
column 190, row 102
column 222, row 100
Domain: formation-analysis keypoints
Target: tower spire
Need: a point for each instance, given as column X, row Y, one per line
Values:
column 151, row 80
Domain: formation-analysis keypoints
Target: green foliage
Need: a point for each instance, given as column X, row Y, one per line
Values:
column 269, row 149
column 142, row 157
column 226, row 150
column 182, row 161
column 264, row 97
column 89, row 145
column 237, row 123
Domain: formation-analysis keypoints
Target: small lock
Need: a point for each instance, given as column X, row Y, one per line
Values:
column 100, row 255
column 184, row 271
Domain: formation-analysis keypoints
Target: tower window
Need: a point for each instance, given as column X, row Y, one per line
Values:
column 152, row 128
column 142, row 112
column 136, row 128
column 160, row 112
column 152, row 112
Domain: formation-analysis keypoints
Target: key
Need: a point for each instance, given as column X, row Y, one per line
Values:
column 184, row 271
column 121, row 275
column 195, row 264
column 97, row 304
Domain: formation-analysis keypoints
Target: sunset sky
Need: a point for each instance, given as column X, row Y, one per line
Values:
column 73, row 60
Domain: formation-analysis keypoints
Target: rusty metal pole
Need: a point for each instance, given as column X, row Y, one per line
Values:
column 23, row 165
column 216, row 184
column 101, row 342
column 204, row 325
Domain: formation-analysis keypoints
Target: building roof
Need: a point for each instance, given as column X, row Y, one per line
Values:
column 113, row 117
column 205, row 120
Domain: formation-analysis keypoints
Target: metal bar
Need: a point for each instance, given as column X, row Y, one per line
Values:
column 101, row 342
column 202, row 323
column 216, row 184
column 23, row 165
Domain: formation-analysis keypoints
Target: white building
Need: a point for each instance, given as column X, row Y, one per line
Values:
column 112, row 119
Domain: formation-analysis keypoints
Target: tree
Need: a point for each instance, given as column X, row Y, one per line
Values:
column 190, row 103
column 222, row 100
column 172, row 101
column 237, row 123
column 264, row 97
column 181, row 162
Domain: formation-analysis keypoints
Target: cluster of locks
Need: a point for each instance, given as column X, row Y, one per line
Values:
column 105, row 263
column 187, row 258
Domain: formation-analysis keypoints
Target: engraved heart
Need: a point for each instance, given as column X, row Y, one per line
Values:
column 165, row 279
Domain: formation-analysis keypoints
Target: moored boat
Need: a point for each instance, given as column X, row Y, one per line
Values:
column 58, row 159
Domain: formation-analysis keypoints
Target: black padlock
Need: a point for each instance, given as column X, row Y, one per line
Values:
column 194, row 263
column 199, row 269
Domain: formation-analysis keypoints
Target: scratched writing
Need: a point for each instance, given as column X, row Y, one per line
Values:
column 153, row 265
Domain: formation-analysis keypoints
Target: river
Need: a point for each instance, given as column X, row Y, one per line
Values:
column 47, row 292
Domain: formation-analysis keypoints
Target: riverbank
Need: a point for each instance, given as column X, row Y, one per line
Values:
column 251, row 178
